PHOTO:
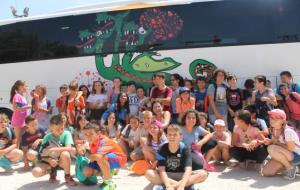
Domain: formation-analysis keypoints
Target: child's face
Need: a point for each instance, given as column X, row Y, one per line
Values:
column 39, row 91
column 185, row 95
column 134, row 123
column 32, row 126
column 284, row 90
column 140, row 92
column 173, row 136
column 84, row 90
column 131, row 89
column 117, row 82
column 57, row 130
column 91, row 135
column 232, row 82
column 285, row 79
column 83, row 122
column 276, row 123
column 219, row 128
column 147, row 119
column 87, row 171
column 201, row 84
column 188, row 84
column 123, row 98
column 22, row 88
column 112, row 119
column 64, row 91
column 220, row 77
column 72, row 91
column 154, row 130
column 190, row 119
column 3, row 124
column 157, row 108
column 203, row 121
column 64, row 118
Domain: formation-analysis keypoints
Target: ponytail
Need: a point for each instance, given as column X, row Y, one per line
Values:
column 15, row 88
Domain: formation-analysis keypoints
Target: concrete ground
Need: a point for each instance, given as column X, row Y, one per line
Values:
column 225, row 179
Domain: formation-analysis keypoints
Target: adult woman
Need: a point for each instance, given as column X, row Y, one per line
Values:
column 160, row 115
column 196, row 136
column 284, row 147
column 97, row 101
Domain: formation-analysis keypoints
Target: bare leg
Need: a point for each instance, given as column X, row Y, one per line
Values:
column 198, row 177
column 65, row 161
column 281, row 155
column 31, row 155
column 105, row 168
column 209, row 155
column 155, row 178
column 225, row 153
column 14, row 155
column 41, row 169
column 272, row 168
column 18, row 132
column 149, row 154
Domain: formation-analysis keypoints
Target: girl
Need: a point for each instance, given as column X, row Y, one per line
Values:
column 184, row 102
column 155, row 139
column 247, row 141
column 190, row 85
column 115, row 91
column 205, row 124
column 79, row 138
column 97, row 101
column 112, row 126
column 177, row 82
column 67, row 127
column 224, row 142
column 284, row 147
column 85, row 92
column 41, row 107
column 127, row 135
column 248, row 91
column 121, row 108
column 195, row 135
column 160, row 115
column 20, row 107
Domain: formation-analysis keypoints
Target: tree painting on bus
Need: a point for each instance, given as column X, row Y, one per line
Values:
column 154, row 24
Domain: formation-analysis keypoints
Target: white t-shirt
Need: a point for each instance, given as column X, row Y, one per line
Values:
column 133, row 104
column 131, row 133
column 291, row 135
column 93, row 98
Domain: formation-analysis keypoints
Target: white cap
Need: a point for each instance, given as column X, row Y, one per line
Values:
column 219, row 122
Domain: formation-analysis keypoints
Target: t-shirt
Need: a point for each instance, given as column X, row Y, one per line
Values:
column 194, row 137
column 294, row 87
column 133, row 104
column 6, row 138
column 121, row 114
column 263, row 107
column 112, row 132
column 70, row 129
column 101, row 98
column 71, row 109
column 113, row 96
column 140, row 132
column 181, row 106
column 128, row 132
column 105, row 146
column 262, row 124
column 28, row 139
column 174, row 162
column 290, row 135
column 294, row 106
column 64, row 139
column 235, row 99
column 42, row 116
column 225, row 136
column 18, row 117
column 165, row 93
column 200, row 96
column 220, row 99
column 251, row 134
column 174, row 97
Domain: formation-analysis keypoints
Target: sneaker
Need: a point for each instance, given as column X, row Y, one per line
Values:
column 70, row 181
column 53, row 174
column 291, row 174
column 158, row 187
column 108, row 185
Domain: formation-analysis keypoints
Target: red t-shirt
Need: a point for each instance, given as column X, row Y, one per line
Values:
column 165, row 93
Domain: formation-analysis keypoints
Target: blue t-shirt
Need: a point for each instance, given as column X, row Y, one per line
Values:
column 194, row 137
column 200, row 96
column 121, row 114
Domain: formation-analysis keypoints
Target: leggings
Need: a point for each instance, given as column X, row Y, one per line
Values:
column 241, row 154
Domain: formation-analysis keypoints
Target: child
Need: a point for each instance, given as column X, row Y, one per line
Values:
column 284, row 147
column 106, row 154
column 20, row 106
column 201, row 93
column 79, row 137
column 224, row 142
column 175, row 165
column 8, row 148
column 127, row 135
column 115, row 91
column 205, row 124
column 67, row 127
column 31, row 140
column 155, row 139
column 247, row 141
column 140, row 137
column 133, row 99
column 61, row 101
column 56, row 150
column 112, row 125
column 235, row 100
column 184, row 102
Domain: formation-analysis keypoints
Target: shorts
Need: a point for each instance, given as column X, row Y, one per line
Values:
column 296, row 159
column 112, row 160
column 5, row 163
column 178, row 175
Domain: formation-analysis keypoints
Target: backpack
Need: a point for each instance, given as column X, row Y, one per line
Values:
column 297, row 131
column 8, row 133
column 206, row 99
column 81, row 163
column 293, row 98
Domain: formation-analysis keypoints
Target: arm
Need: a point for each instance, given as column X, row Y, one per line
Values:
column 187, row 174
column 7, row 150
column 227, row 141
column 164, row 177
column 205, row 139
column 167, row 119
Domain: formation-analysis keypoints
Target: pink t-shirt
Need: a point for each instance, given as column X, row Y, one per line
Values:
column 182, row 107
column 294, row 107
column 18, row 117
column 247, row 136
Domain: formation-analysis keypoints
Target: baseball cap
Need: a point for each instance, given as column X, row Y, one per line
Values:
column 220, row 122
column 184, row 89
column 277, row 114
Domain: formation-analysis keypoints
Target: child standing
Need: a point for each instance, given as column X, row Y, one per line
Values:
column 8, row 148
column 184, row 102
column 31, row 140
column 132, row 98
column 20, row 107
column 175, row 165
column 56, row 150
column 200, row 94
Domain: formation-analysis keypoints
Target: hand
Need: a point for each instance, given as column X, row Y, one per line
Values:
column 53, row 163
column 265, row 99
column 268, row 141
column 180, row 187
column 199, row 145
column 81, row 150
column 248, row 147
column 36, row 143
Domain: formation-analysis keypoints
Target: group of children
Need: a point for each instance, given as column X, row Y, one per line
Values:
column 177, row 131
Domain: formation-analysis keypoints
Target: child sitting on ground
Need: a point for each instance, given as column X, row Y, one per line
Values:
column 56, row 149
column 8, row 148
column 106, row 155
column 127, row 135
column 31, row 141
column 175, row 165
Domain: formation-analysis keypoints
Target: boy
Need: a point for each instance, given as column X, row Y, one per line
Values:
column 174, row 165
column 56, row 150
column 31, row 140
column 106, row 155
column 127, row 135
column 133, row 99
column 61, row 101
column 8, row 148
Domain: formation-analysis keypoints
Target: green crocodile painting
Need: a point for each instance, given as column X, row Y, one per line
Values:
column 129, row 35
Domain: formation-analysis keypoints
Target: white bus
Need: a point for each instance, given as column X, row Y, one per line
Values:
column 133, row 42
